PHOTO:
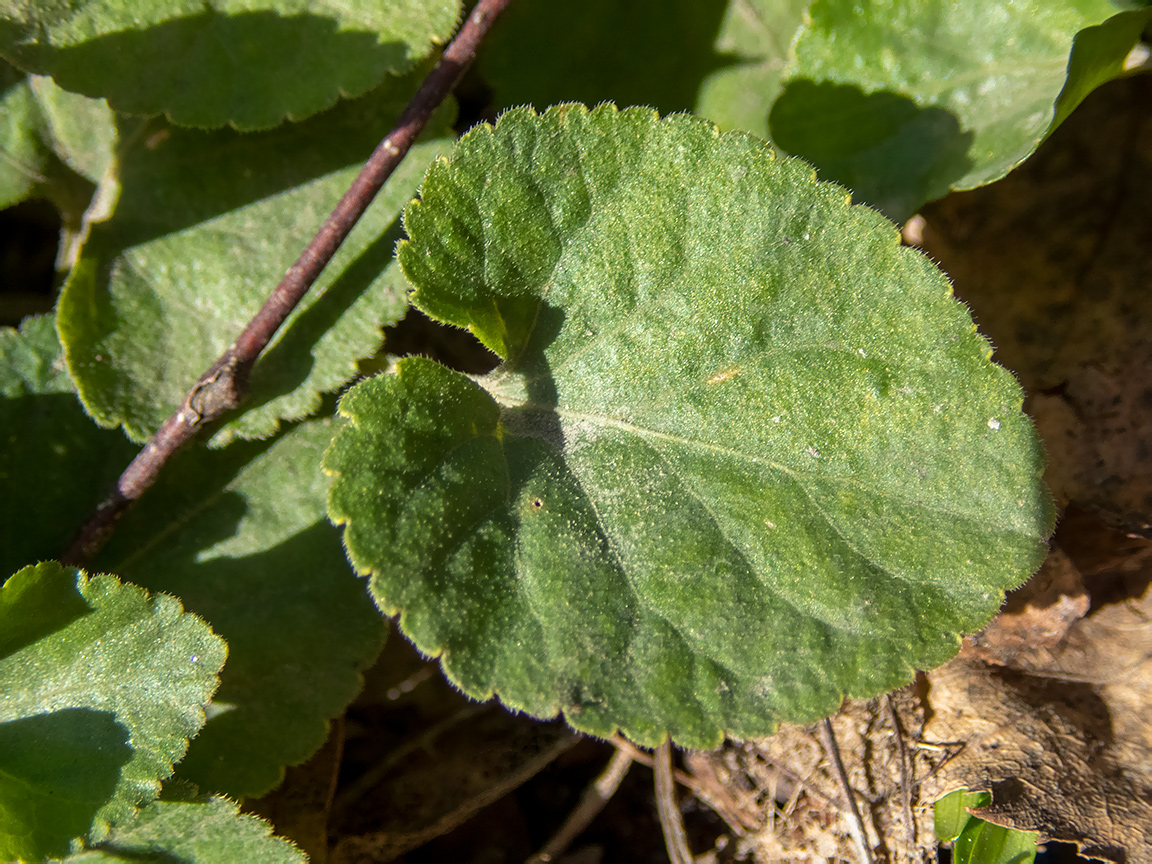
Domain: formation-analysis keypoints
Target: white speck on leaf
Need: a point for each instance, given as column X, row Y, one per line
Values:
column 993, row 424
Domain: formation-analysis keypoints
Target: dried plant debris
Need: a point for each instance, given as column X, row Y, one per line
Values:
column 1054, row 263
column 785, row 802
column 1035, row 617
column 1055, row 726
column 1050, row 754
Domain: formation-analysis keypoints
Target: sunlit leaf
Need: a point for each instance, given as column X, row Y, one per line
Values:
column 246, row 63
column 103, row 686
column 205, row 227
column 903, row 100
column 746, row 454
column 210, row 831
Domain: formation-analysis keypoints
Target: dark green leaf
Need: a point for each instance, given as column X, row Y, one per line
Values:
column 205, row 227
column 247, row 63
column 55, row 463
column 746, row 454
column 903, row 100
column 208, row 831
column 239, row 535
column 103, row 685
column 643, row 52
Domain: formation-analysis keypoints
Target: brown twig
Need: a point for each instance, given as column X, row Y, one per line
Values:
column 855, row 823
column 905, row 777
column 591, row 803
column 225, row 385
column 675, row 838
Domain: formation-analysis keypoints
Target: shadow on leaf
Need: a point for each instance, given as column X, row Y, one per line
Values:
column 893, row 154
column 251, row 70
column 58, row 770
column 645, row 52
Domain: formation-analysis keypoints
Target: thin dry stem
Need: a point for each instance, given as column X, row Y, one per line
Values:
column 675, row 838
column 905, row 778
column 591, row 803
column 855, row 823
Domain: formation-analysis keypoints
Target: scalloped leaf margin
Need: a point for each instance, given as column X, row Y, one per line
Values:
column 746, row 455
column 104, row 686
column 250, row 64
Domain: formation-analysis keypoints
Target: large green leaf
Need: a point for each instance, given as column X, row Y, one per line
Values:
column 248, row 63
column 240, row 536
column 82, row 130
column 55, row 463
column 24, row 158
column 205, row 226
column 903, row 100
column 746, row 453
column 208, row 831
column 103, row 686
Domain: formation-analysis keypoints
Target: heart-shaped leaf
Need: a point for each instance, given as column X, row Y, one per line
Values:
column 746, row 453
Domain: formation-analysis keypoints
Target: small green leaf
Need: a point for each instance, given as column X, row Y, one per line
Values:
column 205, row 227
column 246, row 63
column 903, row 100
column 239, row 535
column 55, row 463
column 103, row 685
column 951, row 812
column 975, row 840
column 985, row 843
column 746, row 453
column 210, row 831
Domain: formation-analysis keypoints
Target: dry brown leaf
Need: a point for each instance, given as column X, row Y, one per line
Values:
column 1035, row 617
column 1054, row 262
column 785, row 786
column 1046, row 750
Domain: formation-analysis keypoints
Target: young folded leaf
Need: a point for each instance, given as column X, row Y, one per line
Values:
column 745, row 456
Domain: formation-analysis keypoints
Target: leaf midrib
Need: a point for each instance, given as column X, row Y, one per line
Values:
column 797, row 474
